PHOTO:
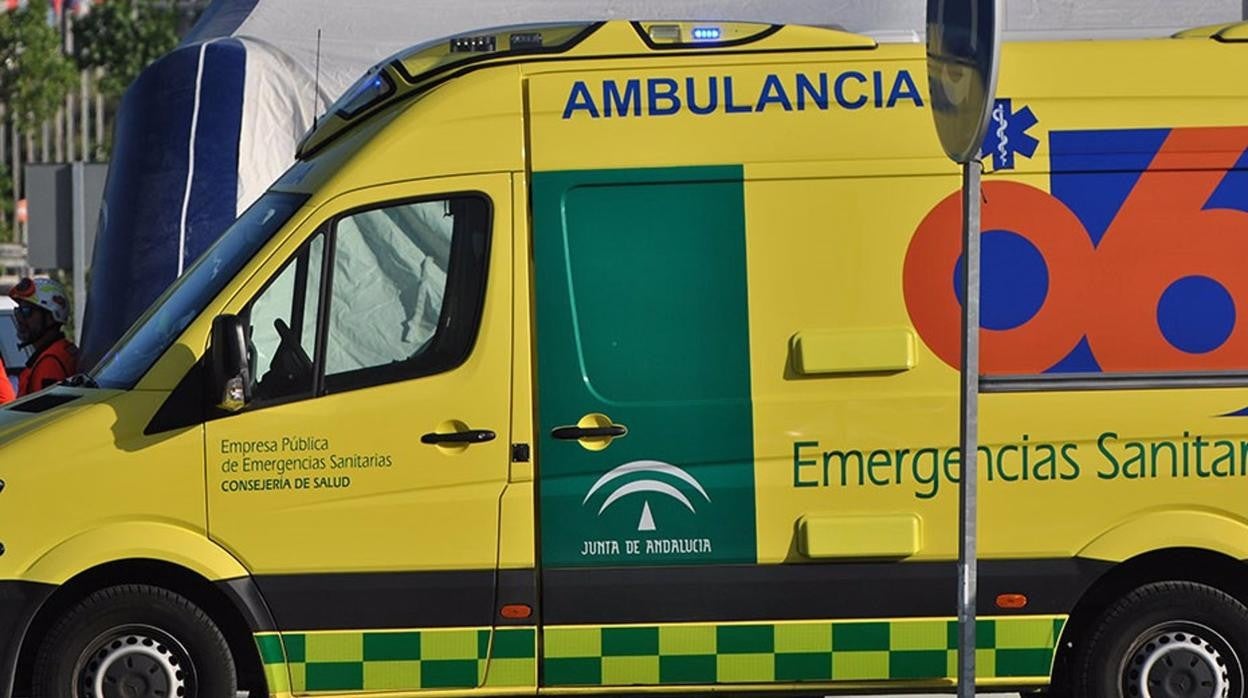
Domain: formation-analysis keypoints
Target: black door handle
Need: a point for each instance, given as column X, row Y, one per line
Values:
column 472, row 436
column 573, row 433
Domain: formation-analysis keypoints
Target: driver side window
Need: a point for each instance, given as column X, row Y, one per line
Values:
column 282, row 328
column 402, row 285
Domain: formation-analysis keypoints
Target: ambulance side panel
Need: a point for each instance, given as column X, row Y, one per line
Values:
column 783, row 506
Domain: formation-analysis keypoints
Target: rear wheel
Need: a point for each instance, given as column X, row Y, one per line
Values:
column 134, row 641
column 1166, row 640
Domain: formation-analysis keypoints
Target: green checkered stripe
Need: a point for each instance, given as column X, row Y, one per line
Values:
column 401, row 659
column 915, row 650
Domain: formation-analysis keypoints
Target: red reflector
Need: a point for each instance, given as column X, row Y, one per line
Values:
column 1011, row 601
column 516, row 611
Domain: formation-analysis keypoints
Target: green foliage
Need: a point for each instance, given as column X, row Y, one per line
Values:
column 122, row 37
column 35, row 75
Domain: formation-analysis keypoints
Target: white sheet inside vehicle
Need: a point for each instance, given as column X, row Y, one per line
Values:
column 390, row 269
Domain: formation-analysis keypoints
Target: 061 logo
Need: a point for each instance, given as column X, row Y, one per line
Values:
column 1132, row 262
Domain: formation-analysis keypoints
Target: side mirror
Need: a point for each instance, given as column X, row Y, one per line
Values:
column 231, row 378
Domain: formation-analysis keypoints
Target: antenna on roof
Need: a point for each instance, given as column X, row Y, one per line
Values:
column 316, row 85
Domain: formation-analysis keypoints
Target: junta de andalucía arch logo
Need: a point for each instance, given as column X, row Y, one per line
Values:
column 647, row 478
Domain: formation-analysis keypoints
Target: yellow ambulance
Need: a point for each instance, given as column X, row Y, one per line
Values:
column 623, row 358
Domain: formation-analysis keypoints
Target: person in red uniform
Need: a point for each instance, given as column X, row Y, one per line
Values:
column 42, row 310
column 6, row 388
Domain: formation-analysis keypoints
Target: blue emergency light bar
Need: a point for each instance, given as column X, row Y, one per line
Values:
column 706, row 33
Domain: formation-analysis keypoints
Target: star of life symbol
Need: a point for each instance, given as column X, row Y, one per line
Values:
column 625, row 486
column 1007, row 134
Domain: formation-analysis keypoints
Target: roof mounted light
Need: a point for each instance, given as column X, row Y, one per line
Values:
column 474, row 44
column 374, row 87
column 414, row 70
column 706, row 33
column 668, row 34
column 428, row 59
column 665, row 33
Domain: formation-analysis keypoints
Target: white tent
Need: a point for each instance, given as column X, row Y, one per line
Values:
column 281, row 37
column 208, row 127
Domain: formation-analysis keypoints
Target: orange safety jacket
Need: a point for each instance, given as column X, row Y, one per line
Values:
column 49, row 367
column 6, row 388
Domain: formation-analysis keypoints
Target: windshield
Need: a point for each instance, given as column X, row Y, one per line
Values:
column 157, row 329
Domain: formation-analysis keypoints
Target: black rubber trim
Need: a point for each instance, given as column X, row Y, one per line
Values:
column 42, row 403
column 573, row 596
column 517, row 587
column 19, row 601
column 1112, row 381
column 345, row 601
column 650, row 43
column 246, row 597
column 600, row 596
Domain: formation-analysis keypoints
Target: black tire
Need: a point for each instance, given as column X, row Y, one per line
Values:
column 158, row 642
column 1166, row 639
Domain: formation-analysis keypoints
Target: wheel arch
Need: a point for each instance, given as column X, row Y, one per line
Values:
column 134, row 540
column 1191, row 564
column 1195, row 529
column 234, row 605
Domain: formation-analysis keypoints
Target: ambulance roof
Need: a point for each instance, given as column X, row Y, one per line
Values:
column 1229, row 32
column 424, row 66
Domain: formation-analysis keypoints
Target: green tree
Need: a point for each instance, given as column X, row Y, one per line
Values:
column 122, row 37
column 35, row 75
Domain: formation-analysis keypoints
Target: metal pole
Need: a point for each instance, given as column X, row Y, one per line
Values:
column 58, row 135
column 4, row 141
column 79, row 195
column 84, row 99
column 15, row 174
column 22, row 148
column 968, row 429
column 99, row 113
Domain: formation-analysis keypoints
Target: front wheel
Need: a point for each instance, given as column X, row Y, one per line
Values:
column 1166, row 640
column 134, row 641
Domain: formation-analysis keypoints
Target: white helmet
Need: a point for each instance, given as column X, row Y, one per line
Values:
column 45, row 293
